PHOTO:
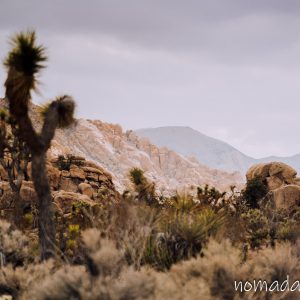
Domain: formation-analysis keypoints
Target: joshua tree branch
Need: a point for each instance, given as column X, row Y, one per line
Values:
column 50, row 124
column 58, row 114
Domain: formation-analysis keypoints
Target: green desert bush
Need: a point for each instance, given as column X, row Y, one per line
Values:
column 256, row 228
column 180, row 236
column 145, row 190
column 210, row 195
column 183, row 203
column 254, row 191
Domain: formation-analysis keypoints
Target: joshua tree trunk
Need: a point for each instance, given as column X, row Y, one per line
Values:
column 44, row 205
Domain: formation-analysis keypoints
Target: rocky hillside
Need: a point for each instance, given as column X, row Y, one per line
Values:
column 74, row 182
column 117, row 152
column 209, row 151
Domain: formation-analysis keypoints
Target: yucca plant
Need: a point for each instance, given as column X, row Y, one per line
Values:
column 183, row 204
column 145, row 190
column 210, row 195
column 24, row 63
column 180, row 236
column 137, row 176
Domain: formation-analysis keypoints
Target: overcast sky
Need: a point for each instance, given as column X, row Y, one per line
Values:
column 228, row 68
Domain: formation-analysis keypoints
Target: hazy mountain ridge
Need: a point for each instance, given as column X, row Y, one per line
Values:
column 207, row 150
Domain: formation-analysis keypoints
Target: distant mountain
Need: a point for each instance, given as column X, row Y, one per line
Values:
column 207, row 150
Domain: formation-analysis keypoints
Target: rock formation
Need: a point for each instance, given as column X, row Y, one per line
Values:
column 282, row 183
column 72, row 180
column 119, row 151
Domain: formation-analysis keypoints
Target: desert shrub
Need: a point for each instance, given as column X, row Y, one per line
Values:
column 129, row 224
column 145, row 190
column 288, row 231
column 14, row 245
column 255, row 190
column 17, row 282
column 180, row 236
column 273, row 264
column 210, row 276
column 256, row 227
column 64, row 162
column 183, row 203
column 210, row 195
column 137, row 176
column 106, row 275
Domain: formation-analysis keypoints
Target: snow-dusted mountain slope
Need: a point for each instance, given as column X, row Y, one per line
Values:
column 119, row 151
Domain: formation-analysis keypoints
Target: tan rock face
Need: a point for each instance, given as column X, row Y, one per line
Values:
column 65, row 201
column 274, row 182
column 68, row 185
column 86, row 189
column 27, row 191
column 76, row 172
column 3, row 174
column 54, row 176
column 276, row 174
column 286, row 197
column 4, row 187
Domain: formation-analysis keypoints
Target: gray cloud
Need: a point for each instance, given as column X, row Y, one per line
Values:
column 227, row 68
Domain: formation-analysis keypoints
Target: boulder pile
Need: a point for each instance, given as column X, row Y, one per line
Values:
column 72, row 179
column 282, row 183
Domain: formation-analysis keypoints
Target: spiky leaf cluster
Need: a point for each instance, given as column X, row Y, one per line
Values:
column 65, row 108
column 23, row 64
column 26, row 57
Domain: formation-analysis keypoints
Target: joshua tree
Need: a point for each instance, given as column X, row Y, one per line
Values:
column 145, row 189
column 14, row 158
column 23, row 64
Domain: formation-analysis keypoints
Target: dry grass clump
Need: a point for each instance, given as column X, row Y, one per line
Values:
column 18, row 281
column 14, row 245
column 212, row 276
column 107, row 275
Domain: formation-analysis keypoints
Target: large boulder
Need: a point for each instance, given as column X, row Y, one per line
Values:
column 66, row 201
column 274, row 174
column 86, row 189
column 4, row 187
column 76, row 172
column 68, row 185
column 54, row 176
column 27, row 191
column 3, row 174
column 286, row 197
